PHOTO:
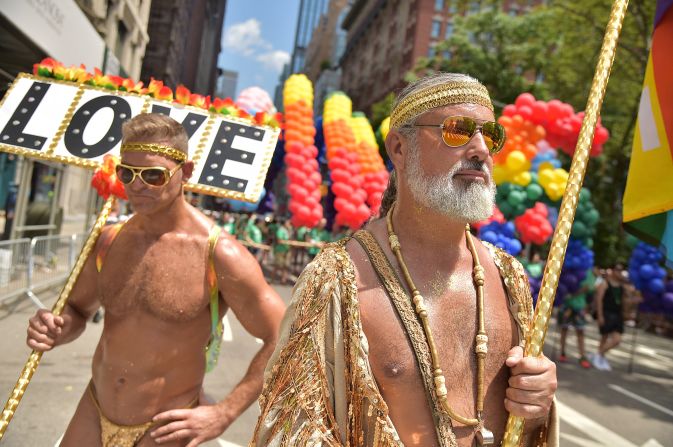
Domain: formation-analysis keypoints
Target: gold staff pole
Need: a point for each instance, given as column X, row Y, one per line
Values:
column 34, row 359
column 536, row 335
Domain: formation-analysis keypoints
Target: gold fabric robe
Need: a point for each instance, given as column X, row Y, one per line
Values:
column 319, row 389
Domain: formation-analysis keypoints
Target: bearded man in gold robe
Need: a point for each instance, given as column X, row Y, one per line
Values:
column 411, row 331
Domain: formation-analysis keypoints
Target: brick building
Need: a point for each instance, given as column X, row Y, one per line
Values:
column 385, row 38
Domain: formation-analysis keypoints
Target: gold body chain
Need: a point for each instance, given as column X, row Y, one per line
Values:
column 481, row 340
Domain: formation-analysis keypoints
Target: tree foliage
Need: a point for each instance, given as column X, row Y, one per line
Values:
column 551, row 51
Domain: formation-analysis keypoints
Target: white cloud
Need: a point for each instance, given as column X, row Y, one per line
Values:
column 274, row 60
column 245, row 38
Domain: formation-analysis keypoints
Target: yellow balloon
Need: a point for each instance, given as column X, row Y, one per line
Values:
column 546, row 178
column 516, row 161
column 522, row 178
column 500, row 174
column 545, row 166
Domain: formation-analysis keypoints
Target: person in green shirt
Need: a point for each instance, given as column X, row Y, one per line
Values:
column 281, row 252
column 318, row 234
column 229, row 224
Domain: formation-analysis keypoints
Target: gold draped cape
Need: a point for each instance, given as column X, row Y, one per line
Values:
column 319, row 389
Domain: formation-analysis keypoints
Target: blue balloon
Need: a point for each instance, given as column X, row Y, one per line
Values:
column 656, row 286
column 646, row 271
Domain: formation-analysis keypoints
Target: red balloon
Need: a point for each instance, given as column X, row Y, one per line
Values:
column 363, row 212
column 349, row 210
column 294, row 174
column 339, row 203
column 340, row 175
column 293, row 147
column 524, row 99
column 341, row 189
column 300, row 194
column 554, row 109
column 526, row 112
column 509, row 110
column 602, row 135
column 316, row 177
column 540, row 111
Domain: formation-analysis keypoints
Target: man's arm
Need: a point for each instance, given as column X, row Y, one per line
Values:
column 46, row 330
column 260, row 310
column 600, row 295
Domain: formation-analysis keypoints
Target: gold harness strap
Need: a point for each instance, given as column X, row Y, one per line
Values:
column 413, row 330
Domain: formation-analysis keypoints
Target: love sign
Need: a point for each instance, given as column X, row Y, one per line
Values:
column 79, row 124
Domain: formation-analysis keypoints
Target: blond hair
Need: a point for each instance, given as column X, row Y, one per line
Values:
column 155, row 128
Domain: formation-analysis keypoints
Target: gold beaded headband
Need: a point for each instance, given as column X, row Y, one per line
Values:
column 152, row 148
column 455, row 92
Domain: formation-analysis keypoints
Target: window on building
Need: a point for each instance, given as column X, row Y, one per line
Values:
column 514, row 10
column 439, row 5
column 436, row 27
column 453, row 8
column 431, row 51
column 446, row 54
column 449, row 30
column 475, row 6
column 122, row 32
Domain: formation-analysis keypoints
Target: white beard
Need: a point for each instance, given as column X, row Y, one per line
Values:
column 466, row 201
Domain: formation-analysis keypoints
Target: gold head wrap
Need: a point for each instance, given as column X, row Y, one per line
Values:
column 454, row 92
column 159, row 149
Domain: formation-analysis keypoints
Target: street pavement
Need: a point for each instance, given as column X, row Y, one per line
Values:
column 597, row 408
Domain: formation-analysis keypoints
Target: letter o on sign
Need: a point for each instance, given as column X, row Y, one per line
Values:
column 74, row 134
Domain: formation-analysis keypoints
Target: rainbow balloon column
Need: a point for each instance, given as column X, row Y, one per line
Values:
column 303, row 172
column 649, row 276
column 344, row 163
column 371, row 164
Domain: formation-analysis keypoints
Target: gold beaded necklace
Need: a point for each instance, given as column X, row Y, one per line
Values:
column 484, row 436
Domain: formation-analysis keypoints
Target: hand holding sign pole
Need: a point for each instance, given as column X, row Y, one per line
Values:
column 79, row 124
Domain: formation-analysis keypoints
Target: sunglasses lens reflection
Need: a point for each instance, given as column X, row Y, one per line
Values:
column 154, row 177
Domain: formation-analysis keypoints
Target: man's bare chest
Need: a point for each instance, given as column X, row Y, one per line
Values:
column 395, row 338
column 164, row 278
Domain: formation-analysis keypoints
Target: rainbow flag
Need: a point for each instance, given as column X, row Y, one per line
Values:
column 648, row 199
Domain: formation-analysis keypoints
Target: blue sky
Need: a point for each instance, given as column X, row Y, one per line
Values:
column 257, row 40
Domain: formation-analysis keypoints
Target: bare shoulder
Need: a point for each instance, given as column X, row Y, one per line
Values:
column 232, row 259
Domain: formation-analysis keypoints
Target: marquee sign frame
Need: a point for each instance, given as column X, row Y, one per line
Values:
column 231, row 154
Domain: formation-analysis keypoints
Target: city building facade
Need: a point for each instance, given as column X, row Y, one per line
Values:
column 385, row 38
column 185, row 39
column 227, row 82
column 123, row 26
column 110, row 35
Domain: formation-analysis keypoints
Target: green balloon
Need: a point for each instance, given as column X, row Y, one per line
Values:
column 534, row 191
column 506, row 209
column 585, row 195
column 505, row 188
column 579, row 230
column 514, row 199
column 592, row 217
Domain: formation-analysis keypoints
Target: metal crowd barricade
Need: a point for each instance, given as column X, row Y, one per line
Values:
column 14, row 255
column 36, row 264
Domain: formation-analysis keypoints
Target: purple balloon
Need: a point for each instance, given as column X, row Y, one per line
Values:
column 667, row 302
